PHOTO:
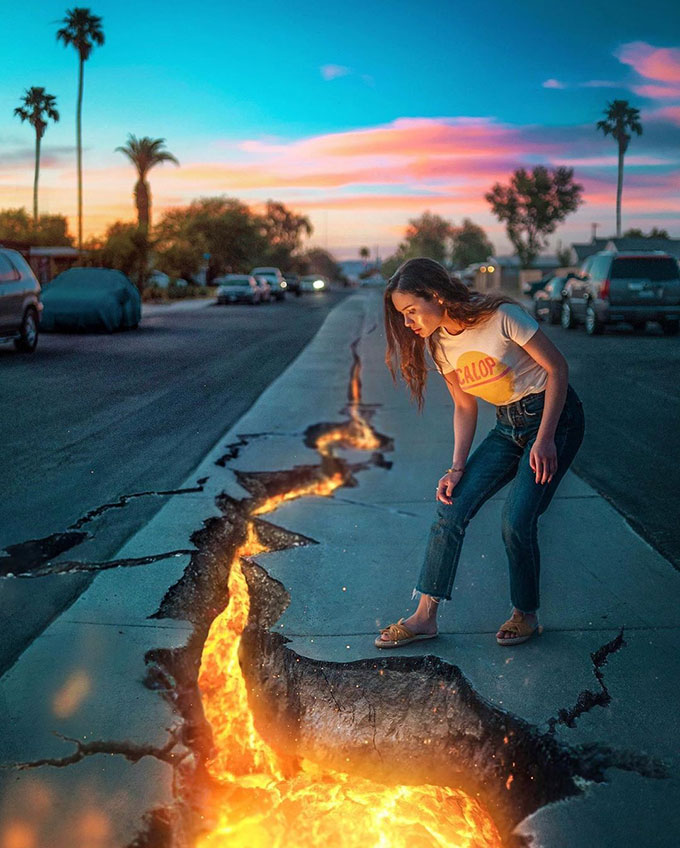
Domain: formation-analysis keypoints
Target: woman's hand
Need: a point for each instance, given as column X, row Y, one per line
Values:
column 543, row 459
column 446, row 485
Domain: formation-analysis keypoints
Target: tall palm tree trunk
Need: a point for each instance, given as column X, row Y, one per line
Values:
column 79, row 144
column 35, row 180
column 619, row 191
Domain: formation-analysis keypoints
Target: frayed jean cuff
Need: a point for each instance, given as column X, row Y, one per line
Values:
column 417, row 594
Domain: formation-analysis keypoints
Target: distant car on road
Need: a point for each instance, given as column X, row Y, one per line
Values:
column 239, row 288
column 275, row 279
column 91, row 299
column 634, row 287
column 293, row 281
column 313, row 283
column 20, row 305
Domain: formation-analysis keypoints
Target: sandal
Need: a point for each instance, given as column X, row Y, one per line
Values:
column 400, row 634
column 522, row 629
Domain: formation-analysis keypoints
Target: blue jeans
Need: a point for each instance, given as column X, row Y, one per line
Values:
column 504, row 456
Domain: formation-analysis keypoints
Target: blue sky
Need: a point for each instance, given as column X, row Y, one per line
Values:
column 267, row 92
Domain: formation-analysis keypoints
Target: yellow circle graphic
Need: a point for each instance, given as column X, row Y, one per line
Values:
column 485, row 376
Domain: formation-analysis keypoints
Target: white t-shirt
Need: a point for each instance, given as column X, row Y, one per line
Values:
column 489, row 359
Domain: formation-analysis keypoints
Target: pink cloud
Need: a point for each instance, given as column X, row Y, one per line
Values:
column 600, row 84
column 667, row 113
column 658, row 92
column 553, row 83
column 655, row 63
column 331, row 72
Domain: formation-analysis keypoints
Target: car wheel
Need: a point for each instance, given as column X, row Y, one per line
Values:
column 670, row 328
column 593, row 324
column 28, row 338
column 567, row 316
column 554, row 314
column 639, row 326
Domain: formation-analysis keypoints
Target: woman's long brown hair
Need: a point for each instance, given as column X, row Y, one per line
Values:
column 429, row 280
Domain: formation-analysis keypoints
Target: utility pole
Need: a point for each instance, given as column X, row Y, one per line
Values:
column 593, row 231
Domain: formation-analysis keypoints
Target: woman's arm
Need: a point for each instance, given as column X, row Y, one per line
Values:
column 464, row 426
column 543, row 458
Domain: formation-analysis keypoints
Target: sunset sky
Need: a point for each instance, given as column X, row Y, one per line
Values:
column 359, row 114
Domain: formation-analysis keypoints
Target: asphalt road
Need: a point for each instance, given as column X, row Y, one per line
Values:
column 628, row 383
column 88, row 418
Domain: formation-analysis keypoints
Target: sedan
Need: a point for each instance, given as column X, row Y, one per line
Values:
column 90, row 299
column 239, row 288
column 313, row 283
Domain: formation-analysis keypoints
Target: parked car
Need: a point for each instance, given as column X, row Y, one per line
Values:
column 91, row 299
column 293, row 281
column 313, row 283
column 530, row 288
column 263, row 283
column 547, row 300
column 275, row 279
column 239, row 288
column 634, row 287
column 20, row 305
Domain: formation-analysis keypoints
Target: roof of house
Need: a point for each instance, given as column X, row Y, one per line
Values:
column 584, row 250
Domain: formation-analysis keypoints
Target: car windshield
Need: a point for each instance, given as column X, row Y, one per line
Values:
column 240, row 282
column 645, row 267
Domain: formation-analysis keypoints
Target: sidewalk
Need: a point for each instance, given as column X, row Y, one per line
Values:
column 592, row 715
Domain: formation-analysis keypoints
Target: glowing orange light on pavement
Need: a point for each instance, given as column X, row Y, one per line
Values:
column 260, row 803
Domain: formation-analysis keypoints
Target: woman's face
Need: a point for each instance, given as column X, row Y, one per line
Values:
column 421, row 316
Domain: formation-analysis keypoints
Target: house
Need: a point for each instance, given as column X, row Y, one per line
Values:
column 46, row 262
column 508, row 275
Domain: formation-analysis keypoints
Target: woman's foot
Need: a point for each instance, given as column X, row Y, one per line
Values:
column 418, row 625
column 527, row 621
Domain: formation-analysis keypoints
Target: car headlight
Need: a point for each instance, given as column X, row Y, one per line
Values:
column 284, row 284
column 318, row 284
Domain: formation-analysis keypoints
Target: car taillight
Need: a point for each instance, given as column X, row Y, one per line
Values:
column 604, row 289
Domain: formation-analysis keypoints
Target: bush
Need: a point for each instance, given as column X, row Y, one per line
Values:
column 156, row 294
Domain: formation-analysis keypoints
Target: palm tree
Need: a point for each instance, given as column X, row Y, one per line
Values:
column 37, row 107
column 620, row 117
column 144, row 153
column 83, row 30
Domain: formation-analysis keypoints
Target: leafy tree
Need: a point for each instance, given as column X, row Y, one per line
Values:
column 125, row 247
column 470, row 244
column 532, row 205
column 654, row 233
column 83, row 30
column 428, row 236
column 319, row 261
column 37, row 107
column 364, row 253
column 223, row 227
column 283, row 231
column 620, row 117
column 563, row 255
column 51, row 230
column 145, row 153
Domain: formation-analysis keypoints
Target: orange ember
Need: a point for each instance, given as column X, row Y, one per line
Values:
column 258, row 805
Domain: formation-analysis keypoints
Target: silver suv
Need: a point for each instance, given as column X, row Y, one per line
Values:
column 20, row 306
column 634, row 287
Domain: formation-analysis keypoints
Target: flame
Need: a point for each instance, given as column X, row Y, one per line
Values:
column 259, row 803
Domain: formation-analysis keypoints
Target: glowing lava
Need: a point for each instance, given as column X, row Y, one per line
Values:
column 260, row 804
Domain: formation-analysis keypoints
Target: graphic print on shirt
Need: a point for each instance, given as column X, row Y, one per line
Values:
column 485, row 376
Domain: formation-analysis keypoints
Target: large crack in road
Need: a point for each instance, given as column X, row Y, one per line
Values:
column 417, row 717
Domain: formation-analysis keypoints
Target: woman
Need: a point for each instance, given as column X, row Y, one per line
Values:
column 488, row 346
